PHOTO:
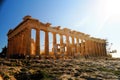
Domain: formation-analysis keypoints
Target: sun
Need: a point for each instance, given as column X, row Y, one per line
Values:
column 111, row 7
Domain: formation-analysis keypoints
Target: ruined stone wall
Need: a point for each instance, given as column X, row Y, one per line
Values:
column 19, row 41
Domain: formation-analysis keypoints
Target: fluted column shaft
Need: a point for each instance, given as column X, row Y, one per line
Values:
column 37, row 42
column 17, row 45
column 86, row 47
column 20, row 40
column 78, row 45
column 54, row 39
column 54, row 44
column 67, row 44
column 105, row 53
column 98, row 47
column 24, row 44
column 101, row 49
column 46, row 43
column 28, row 49
column 92, row 47
column 82, row 47
column 73, row 46
column 61, row 44
column 95, row 48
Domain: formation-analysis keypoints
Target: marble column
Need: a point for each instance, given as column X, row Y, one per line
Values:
column 86, row 47
column 73, row 46
column 73, row 41
column 13, row 51
column 54, row 44
column 95, row 48
column 18, row 48
column 12, row 46
column 67, row 44
column 17, row 44
column 54, row 39
column 37, row 43
column 98, row 48
column 25, row 43
column 28, row 42
column 22, row 51
column 61, row 44
column 46, row 43
column 105, row 53
column 82, row 47
column 20, row 40
column 103, row 50
column 78, row 45
column 92, row 47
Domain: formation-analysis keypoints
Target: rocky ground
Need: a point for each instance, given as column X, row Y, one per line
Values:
column 70, row 69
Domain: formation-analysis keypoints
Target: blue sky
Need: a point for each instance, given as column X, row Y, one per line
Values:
column 99, row 18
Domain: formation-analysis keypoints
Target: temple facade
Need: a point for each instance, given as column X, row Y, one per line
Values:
column 20, row 42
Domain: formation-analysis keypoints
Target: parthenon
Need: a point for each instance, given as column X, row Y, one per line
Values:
column 20, row 42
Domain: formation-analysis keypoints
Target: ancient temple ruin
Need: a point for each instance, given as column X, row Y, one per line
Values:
column 20, row 42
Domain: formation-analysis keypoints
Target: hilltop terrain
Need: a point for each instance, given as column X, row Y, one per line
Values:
column 69, row 69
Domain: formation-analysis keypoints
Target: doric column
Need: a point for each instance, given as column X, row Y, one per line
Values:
column 90, row 48
column 12, row 45
column 46, row 43
column 18, row 48
column 37, row 42
column 78, row 45
column 99, row 48
column 54, row 44
column 73, row 46
column 73, row 41
column 105, row 53
column 86, row 47
column 93, row 48
column 61, row 44
column 103, row 50
column 14, row 42
column 14, row 49
column 54, row 39
column 24, row 43
column 17, row 45
column 82, row 48
column 21, row 45
column 67, row 44
column 28, row 42
column 20, row 40
column 98, row 51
